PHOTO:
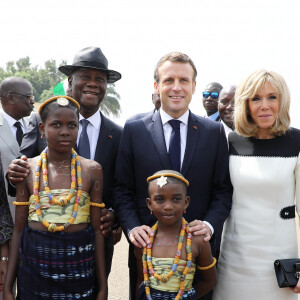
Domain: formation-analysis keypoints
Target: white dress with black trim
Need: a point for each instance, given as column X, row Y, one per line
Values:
column 261, row 227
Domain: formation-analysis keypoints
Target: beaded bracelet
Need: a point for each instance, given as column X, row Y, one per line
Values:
column 208, row 267
column 97, row 204
column 20, row 203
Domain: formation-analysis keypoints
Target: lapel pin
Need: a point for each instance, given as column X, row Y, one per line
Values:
column 195, row 127
column 110, row 136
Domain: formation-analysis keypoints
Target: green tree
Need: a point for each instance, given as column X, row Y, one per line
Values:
column 110, row 104
column 43, row 80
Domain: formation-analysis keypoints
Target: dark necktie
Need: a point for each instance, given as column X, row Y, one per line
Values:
column 19, row 134
column 84, row 143
column 174, row 147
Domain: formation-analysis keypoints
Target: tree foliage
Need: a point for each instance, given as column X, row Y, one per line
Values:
column 43, row 80
column 110, row 104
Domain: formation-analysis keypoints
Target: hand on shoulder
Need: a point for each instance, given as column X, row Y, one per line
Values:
column 18, row 170
column 139, row 236
column 197, row 227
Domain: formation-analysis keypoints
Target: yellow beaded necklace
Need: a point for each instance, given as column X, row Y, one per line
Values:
column 147, row 261
column 63, row 201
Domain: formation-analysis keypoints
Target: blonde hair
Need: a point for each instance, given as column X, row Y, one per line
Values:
column 247, row 90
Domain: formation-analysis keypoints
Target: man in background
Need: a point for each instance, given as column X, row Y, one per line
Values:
column 226, row 107
column 210, row 100
column 16, row 95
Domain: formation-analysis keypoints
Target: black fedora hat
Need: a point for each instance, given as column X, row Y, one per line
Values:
column 93, row 58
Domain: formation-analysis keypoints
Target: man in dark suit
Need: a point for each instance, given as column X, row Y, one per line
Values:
column 145, row 148
column 88, row 77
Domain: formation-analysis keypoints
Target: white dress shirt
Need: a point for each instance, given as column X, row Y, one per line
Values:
column 93, row 130
column 165, row 118
column 226, row 128
column 11, row 122
column 183, row 136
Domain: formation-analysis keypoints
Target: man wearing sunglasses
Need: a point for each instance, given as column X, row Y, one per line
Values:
column 210, row 100
column 17, row 101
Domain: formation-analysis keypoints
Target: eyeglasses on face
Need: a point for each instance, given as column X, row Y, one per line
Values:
column 214, row 95
column 30, row 97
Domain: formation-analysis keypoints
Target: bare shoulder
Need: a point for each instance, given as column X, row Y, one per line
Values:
column 89, row 163
column 33, row 163
column 90, row 166
column 198, row 241
column 199, row 245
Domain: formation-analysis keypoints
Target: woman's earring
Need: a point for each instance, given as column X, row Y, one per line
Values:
column 184, row 211
column 42, row 135
column 151, row 213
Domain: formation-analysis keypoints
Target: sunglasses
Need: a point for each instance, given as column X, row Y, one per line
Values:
column 214, row 95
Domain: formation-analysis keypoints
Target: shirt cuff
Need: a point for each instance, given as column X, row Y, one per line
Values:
column 210, row 227
column 132, row 229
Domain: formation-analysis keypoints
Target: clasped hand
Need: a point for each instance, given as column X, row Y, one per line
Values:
column 107, row 221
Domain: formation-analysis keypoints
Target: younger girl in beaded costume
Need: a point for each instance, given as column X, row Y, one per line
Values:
column 164, row 277
column 55, row 252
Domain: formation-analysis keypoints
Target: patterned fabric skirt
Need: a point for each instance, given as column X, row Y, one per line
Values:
column 56, row 265
column 161, row 295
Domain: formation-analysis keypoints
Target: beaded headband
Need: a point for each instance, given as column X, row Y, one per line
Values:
column 162, row 178
column 61, row 100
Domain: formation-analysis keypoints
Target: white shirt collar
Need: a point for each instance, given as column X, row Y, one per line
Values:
column 226, row 128
column 11, row 121
column 166, row 117
column 214, row 116
column 95, row 120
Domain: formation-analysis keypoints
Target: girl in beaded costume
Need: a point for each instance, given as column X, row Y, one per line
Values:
column 160, row 275
column 57, row 248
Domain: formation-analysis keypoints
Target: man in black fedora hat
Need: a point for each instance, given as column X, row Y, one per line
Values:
column 98, row 137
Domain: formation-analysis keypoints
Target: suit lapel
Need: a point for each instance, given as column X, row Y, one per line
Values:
column 193, row 136
column 26, row 121
column 105, row 138
column 8, row 137
column 155, row 128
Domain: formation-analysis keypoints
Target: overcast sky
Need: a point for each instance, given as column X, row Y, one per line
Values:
column 226, row 39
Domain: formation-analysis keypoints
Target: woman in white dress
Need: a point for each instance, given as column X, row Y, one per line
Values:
column 265, row 174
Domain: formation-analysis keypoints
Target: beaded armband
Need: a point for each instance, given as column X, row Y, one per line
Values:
column 101, row 205
column 20, row 203
column 208, row 267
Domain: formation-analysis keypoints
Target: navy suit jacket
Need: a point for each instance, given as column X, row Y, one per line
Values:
column 140, row 115
column 142, row 152
column 105, row 155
